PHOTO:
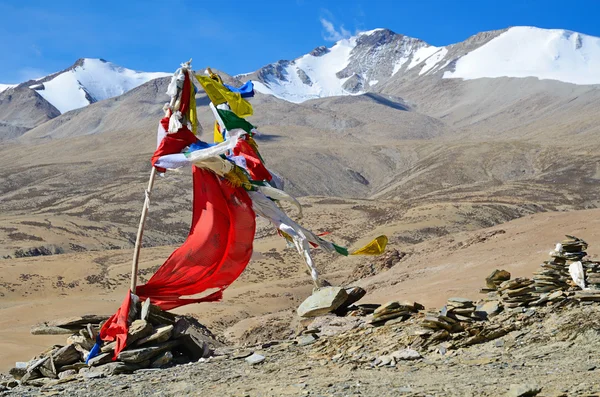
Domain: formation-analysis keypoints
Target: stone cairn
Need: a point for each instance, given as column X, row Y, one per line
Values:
column 459, row 323
column 156, row 339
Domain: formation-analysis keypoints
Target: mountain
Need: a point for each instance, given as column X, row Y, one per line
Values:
column 89, row 81
column 370, row 60
column 29, row 104
column 6, row 86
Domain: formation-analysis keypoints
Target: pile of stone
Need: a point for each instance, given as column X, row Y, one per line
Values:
column 341, row 302
column 592, row 274
column 156, row 339
column 517, row 292
column 554, row 274
column 394, row 312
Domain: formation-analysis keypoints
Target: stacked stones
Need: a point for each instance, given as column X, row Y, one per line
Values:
column 460, row 309
column 554, row 274
column 517, row 292
column 155, row 339
column 457, row 310
column 398, row 311
column 592, row 274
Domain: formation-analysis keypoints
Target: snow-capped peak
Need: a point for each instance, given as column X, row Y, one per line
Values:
column 372, row 59
column 310, row 76
column 89, row 81
column 351, row 66
column 526, row 51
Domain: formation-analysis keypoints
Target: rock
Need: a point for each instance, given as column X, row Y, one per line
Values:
column 523, row 391
column 307, row 339
column 194, row 338
column 255, row 359
column 136, row 356
column 48, row 369
column 11, row 384
column 17, row 373
column 139, row 329
column 100, row 359
column 488, row 309
column 115, row 368
column 162, row 360
column 333, row 325
column 41, row 329
column 75, row 366
column 154, row 315
column 496, row 278
column 383, row 318
column 322, row 301
column 30, row 375
column 406, row 354
column 84, row 343
column 354, row 295
column 39, row 382
column 385, row 360
column 460, row 302
column 109, row 347
column 94, row 375
column 392, row 307
column 242, row 354
column 67, row 373
column 79, row 321
column 159, row 335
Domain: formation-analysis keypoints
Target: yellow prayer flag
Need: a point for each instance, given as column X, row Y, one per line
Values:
column 218, row 94
column 375, row 247
column 217, row 136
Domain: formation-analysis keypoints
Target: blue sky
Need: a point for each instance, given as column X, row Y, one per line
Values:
column 41, row 37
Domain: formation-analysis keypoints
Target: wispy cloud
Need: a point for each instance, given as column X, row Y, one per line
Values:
column 330, row 33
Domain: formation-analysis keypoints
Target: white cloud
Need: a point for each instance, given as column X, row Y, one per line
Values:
column 330, row 33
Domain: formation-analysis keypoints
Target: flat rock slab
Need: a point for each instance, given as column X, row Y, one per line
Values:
column 333, row 325
column 406, row 354
column 42, row 329
column 100, row 359
column 77, row 321
column 322, row 301
column 523, row 391
column 139, row 329
column 159, row 335
column 146, row 353
column 307, row 339
column 255, row 359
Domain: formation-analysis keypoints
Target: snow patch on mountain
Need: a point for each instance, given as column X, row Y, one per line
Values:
column 4, row 87
column 92, row 80
column 422, row 54
column 533, row 52
column 310, row 76
column 399, row 63
column 433, row 60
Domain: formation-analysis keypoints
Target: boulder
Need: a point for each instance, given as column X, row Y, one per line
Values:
column 196, row 340
column 324, row 300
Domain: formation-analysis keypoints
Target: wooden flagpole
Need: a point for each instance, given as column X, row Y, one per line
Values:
column 140, row 232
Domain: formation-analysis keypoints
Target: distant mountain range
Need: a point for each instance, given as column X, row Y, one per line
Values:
column 377, row 61
column 371, row 60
